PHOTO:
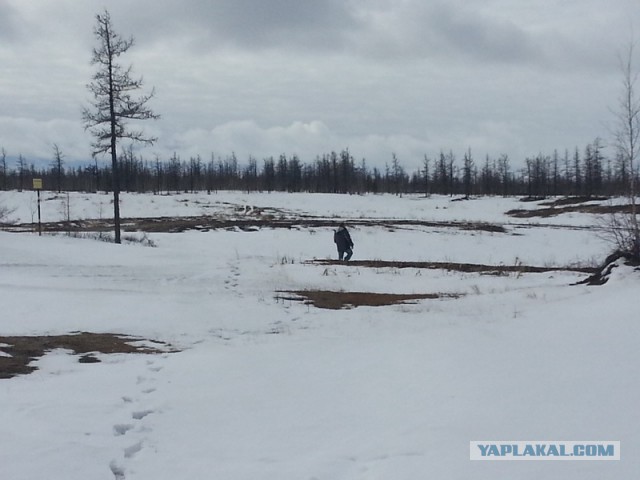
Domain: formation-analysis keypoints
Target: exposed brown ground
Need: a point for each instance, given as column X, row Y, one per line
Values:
column 572, row 201
column 559, row 207
column 337, row 300
column 25, row 349
column 601, row 275
column 458, row 267
column 249, row 223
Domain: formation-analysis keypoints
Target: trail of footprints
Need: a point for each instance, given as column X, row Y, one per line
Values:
column 135, row 431
column 231, row 283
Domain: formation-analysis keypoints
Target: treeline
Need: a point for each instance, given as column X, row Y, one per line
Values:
column 585, row 173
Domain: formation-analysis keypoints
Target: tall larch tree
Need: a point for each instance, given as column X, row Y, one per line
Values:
column 114, row 104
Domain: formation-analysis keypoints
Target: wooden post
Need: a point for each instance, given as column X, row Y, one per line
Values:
column 37, row 186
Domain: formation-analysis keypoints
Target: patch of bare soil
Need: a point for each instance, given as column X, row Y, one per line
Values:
column 572, row 201
column 250, row 223
column 457, row 267
column 554, row 211
column 24, row 349
column 602, row 274
column 338, row 300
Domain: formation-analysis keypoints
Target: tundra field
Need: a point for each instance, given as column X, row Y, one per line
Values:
column 223, row 340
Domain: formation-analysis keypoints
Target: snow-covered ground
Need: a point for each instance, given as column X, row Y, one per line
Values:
column 269, row 389
column 413, row 207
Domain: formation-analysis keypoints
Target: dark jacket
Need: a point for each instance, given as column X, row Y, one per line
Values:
column 342, row 239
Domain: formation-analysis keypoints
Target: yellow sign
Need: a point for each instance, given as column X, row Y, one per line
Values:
column 37, row 184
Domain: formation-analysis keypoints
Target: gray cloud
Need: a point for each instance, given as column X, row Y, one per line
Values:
column 250, row 24
column 477, row 36
column 9, row 21
column 378, row 76
column 453, row 31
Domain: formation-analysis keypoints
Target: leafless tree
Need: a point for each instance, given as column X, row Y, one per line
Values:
column 57, row 166
column 4, row 211
column 627, row 136
column 113, row 102
column 4, row 214
column 21, row 165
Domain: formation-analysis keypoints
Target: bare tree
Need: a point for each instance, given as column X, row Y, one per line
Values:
column 425, row 171
column 467, row 171
column 627, row 136
column 504, row 173
column 57, row 166
column 113, row 104
column 4, row 211
column 21, row 164
column 3, row 168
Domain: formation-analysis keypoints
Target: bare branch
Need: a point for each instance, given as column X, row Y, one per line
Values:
column 624, row 230
column 113, row 104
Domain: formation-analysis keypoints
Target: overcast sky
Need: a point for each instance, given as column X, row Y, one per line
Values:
column 305, row 77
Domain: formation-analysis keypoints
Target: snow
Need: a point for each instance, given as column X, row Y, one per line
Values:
column 269, row 389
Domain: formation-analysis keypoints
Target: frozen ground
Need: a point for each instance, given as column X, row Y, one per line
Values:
column 266, row 389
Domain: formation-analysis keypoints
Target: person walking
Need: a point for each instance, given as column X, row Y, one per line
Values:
column 343, row 241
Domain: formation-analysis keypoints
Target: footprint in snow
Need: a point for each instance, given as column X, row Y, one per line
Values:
column 139, row 415
column 121, row 429
column 117, row 470
column 131, row 451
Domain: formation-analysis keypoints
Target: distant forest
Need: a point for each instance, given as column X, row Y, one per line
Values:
column 581, row 172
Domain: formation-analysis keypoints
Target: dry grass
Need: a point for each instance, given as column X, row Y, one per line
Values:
column 24, row 349
column 553, row 211
column 246, row 223
column 457, row 267
column 338, row 300
column 572, row 201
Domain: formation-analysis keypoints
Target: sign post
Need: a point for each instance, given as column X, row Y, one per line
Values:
column 37, row 186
